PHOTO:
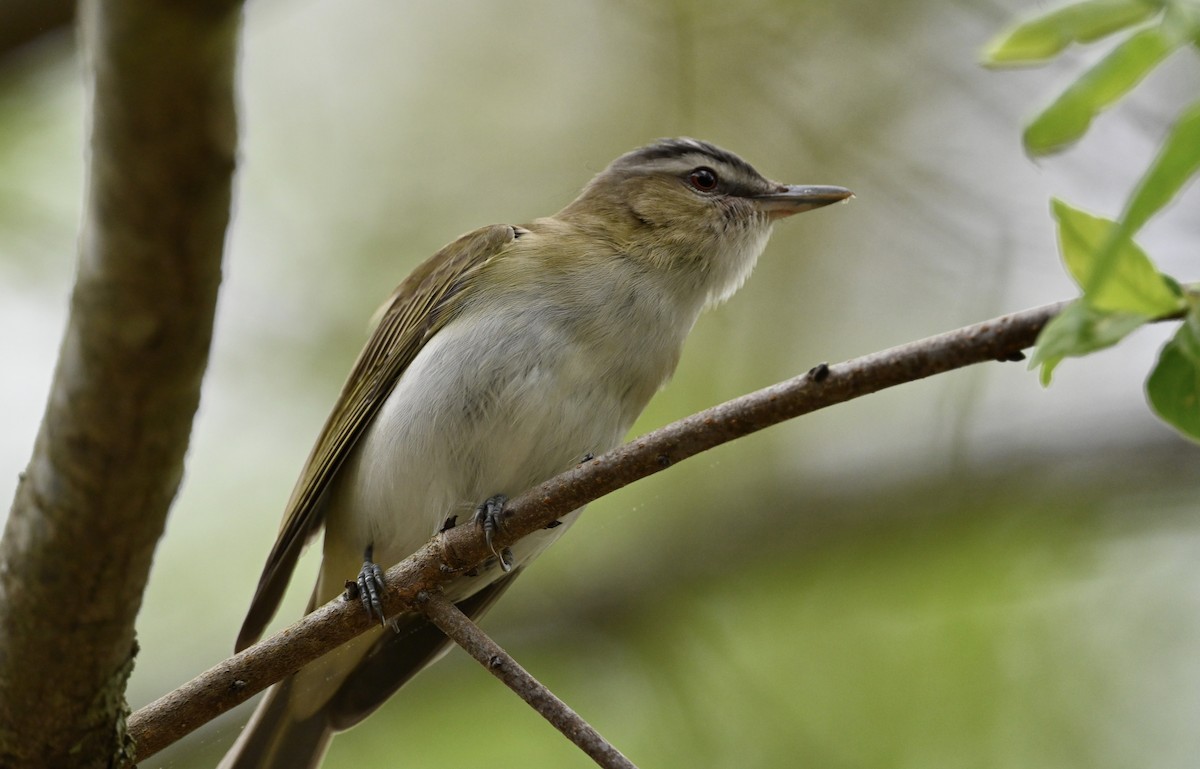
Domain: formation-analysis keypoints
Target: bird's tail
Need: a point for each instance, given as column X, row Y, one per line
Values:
column 294, row 723
column 275, row 738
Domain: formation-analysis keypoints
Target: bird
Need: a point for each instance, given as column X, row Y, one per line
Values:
column 504, row 359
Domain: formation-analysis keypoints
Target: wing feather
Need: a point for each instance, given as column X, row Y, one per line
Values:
column 418, row 307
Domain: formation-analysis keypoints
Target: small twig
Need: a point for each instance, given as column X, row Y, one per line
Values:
column 998, row 339
column 450, row 552
column 459, row 627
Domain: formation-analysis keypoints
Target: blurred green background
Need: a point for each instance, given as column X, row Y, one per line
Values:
column 966, row 571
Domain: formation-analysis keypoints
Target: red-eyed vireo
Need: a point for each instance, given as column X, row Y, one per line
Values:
column 498, row 363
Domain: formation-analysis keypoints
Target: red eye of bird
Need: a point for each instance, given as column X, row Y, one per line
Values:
column 703, row 179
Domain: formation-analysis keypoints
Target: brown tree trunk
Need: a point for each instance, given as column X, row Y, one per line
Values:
column 108, row 459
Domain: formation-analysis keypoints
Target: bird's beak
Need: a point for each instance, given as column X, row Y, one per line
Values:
column 790, row 199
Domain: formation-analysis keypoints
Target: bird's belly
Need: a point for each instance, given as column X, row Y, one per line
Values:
column 469, row 419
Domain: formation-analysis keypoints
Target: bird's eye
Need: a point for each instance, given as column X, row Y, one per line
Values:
column 703, row 179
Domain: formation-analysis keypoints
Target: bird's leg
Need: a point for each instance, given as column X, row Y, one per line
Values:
column 370, row 586
column 489, row 516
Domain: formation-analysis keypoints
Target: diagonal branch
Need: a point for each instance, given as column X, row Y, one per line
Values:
column 460, row 629
column 240, row 677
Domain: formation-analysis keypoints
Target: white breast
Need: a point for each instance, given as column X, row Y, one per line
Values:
column 505, row 396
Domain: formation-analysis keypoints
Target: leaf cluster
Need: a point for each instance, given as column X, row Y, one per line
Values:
column 1122, row 289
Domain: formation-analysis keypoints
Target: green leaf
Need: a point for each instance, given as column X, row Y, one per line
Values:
column 1189, row 343
column 1182, row 18
column 1044, row 37
column 1173, row 388
column 1126, row 281
column 1177, row 162
column 1079, row 330
column 1069, row 116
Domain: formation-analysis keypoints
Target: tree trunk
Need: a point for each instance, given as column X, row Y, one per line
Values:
column 108, row 459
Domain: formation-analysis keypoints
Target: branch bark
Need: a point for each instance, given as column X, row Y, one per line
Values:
column 237, row 679
column 108, row 459
column 459, row 628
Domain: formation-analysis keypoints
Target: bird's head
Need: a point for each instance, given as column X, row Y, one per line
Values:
column 691, row 209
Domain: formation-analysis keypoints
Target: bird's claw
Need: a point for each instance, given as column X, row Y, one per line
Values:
column 489, row 516
column 370, row 590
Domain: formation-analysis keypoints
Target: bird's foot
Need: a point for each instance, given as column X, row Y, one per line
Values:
column 489, row 516
column 370, row 588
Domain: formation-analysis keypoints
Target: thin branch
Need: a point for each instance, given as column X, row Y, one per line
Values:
column 108, row 457
column 999, row 339
column 240, row 677
column 803, row 513
column 460, row 629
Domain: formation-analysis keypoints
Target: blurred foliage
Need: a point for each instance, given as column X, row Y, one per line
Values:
column 1122, row 289
column 965, row 571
